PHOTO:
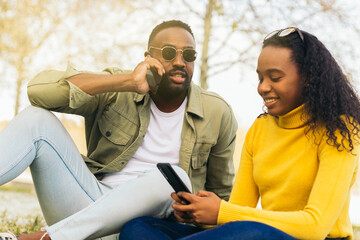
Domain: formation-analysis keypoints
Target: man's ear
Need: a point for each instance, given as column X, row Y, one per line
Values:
column 147, row 54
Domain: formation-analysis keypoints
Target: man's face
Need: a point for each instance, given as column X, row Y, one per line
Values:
column 178, row 72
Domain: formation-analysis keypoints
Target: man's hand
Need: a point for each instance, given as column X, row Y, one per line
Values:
column 101, row 83
column 203, row 207
column 139, row 73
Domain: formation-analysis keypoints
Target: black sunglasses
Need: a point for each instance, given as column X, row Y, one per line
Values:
column 169, row 53
column 285, row 32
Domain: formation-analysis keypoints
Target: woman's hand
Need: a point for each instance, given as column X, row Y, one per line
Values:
column 203, row 207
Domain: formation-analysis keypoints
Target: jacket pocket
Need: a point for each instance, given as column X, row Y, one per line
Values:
column 116, row 133
column 198, row 171
column 200, row 155
column 116, row 128
column 112, row 132
column 199, row 160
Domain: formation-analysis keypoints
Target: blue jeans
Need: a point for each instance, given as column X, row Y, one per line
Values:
column 74, row 203
column 148, row 228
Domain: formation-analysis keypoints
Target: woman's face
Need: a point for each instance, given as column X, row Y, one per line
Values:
column 280, row 84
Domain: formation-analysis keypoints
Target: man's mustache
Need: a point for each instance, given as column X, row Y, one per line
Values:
column 172, row 71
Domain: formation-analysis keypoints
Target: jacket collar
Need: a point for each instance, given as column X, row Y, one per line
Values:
column 194, row 104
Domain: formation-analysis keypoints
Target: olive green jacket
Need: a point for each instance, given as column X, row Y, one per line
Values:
column 116, row 123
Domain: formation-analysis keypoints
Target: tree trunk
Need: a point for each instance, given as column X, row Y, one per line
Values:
column 205, row 50
column 18, row 89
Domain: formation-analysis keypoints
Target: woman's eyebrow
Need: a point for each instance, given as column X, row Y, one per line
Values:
column 269, row 71
column 272, row 70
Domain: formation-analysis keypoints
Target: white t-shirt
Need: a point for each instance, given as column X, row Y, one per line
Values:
column 161, row 144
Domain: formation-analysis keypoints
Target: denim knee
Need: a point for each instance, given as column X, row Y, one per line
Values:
column 37, row 118
column 133, row 228
column 248, row 229
column 255, row 230
column 139, row 220
column 36, row 114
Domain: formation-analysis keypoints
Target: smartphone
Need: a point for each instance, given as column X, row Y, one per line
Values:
column 153, row 79
column 174, row 180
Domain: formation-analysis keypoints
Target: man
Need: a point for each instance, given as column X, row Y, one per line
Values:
column 128, row 130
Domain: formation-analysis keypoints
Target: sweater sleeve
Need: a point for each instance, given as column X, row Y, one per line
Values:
column 245, row 192
column 329, row 194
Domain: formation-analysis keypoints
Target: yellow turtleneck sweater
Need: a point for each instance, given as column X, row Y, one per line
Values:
column 304, row 187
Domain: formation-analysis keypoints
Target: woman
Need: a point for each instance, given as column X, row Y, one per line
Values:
column 300, row 157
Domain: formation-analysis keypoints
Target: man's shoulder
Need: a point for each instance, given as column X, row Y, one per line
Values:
column 116, row 70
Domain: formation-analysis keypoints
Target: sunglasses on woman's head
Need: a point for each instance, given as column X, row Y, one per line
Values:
column 169, row 53
column 285, row 32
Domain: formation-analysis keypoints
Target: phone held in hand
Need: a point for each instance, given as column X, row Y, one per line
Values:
column 174, row 180
column 153, row 79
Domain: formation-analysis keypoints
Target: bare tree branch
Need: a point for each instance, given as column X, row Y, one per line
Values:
column 191, row 9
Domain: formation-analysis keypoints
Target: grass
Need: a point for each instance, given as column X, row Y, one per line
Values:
column 17, row 188
column 20, row 225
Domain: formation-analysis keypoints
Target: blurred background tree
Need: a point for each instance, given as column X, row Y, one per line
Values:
column 39, row 34
column 24, row 27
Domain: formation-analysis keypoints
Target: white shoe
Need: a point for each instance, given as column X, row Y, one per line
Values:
column 7, row 236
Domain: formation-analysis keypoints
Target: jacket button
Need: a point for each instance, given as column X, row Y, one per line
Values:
column 108, row 133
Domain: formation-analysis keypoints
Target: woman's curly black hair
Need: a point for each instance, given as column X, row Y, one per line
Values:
column 329, row 98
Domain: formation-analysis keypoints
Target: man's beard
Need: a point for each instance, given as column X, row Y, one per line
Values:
column 166, row 89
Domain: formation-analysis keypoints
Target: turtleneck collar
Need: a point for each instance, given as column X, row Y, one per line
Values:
column 296, row 118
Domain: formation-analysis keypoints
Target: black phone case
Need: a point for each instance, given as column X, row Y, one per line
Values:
column 153, row 79
column 171, row 176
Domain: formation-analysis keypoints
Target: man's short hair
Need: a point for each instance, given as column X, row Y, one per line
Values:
column 169, row 24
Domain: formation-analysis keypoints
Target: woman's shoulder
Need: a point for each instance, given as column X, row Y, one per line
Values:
column 262, row 122
column 263, row 118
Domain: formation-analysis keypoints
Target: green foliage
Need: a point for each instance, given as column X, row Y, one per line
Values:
column 17, row 188
column 218, row 7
